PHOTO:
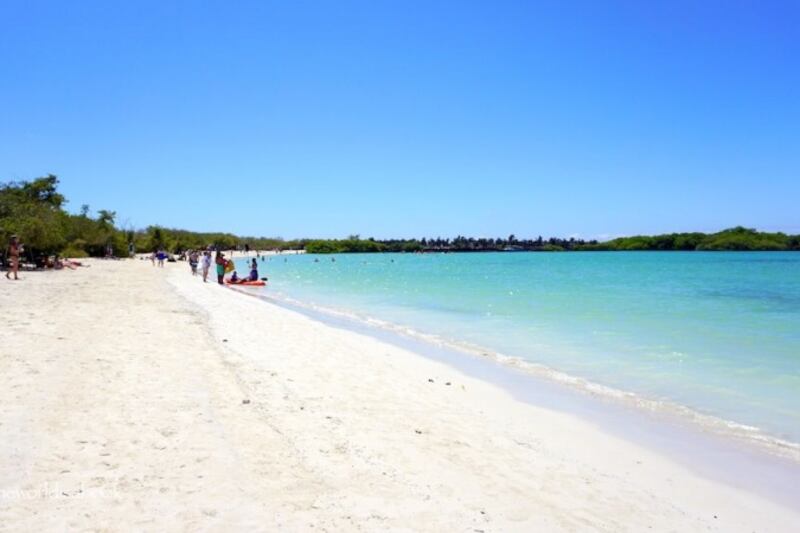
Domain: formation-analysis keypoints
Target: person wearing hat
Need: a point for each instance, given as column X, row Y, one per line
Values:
column 14, row 249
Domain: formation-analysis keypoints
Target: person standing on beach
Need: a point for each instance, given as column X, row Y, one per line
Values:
column 219, row 260
column 14, row 249
column 193, row 259
column 206, row 264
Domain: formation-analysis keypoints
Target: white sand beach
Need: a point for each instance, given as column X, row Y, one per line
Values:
column 139, row 398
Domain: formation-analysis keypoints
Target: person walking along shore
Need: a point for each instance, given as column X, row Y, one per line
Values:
column 193, row 260
column 206, row 264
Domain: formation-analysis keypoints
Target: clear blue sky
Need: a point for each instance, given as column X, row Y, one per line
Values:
column 401, row 118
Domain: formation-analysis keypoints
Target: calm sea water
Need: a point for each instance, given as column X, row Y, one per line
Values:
column 718, row 333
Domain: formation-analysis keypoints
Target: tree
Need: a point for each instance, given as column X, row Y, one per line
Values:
column 43, row 191
column 106, row 218
column 32, row 210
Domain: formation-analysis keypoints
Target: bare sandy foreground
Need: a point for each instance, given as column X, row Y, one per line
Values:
column 138, row 398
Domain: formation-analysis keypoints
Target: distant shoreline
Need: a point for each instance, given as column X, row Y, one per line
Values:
column 38, row 204
column 733, row 239
column 438, row 251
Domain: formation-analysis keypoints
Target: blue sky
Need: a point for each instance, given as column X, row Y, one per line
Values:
column 401, row 118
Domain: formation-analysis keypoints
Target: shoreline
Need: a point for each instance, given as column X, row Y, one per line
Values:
column 663, row 432
column 691, row 438
column 192, row 407
column 749, row 436
column 747, row 433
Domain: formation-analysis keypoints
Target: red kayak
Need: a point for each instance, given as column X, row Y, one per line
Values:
column 258, row 283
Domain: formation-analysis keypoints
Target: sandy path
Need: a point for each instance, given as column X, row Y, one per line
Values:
column 122, row 391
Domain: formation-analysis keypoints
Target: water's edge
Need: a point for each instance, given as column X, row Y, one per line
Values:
column 724, row 451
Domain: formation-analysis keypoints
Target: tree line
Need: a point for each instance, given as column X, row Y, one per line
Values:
column 733, row 239
column 34, row 210
column 438, row 244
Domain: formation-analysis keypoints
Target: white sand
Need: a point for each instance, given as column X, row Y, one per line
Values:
column 121, row 408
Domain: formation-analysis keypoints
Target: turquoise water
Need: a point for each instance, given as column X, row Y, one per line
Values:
column 718, row 333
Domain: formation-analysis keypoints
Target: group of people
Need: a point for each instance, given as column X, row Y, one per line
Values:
column 253, row 276
column 196, row 258
column 14, row 252
column 202, row 260
column 158, row 256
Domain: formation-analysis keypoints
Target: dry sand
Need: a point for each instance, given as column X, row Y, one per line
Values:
column 139, row 398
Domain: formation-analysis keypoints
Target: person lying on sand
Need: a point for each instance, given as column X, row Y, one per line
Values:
column 72, row 265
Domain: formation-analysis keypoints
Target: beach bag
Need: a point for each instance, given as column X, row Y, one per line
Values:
column 229, row 266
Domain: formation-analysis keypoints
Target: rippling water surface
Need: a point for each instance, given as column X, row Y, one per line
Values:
column 718, row 333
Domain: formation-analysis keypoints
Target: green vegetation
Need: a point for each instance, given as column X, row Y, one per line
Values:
column 175, row 240
column 353, row 244
column 737, row 238
column 34, row 210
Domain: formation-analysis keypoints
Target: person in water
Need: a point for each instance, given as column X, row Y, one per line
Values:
column 14, row 249
column 253, row 271
column 235, row 278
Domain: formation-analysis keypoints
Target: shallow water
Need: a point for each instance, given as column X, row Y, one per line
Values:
column 717, row 332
